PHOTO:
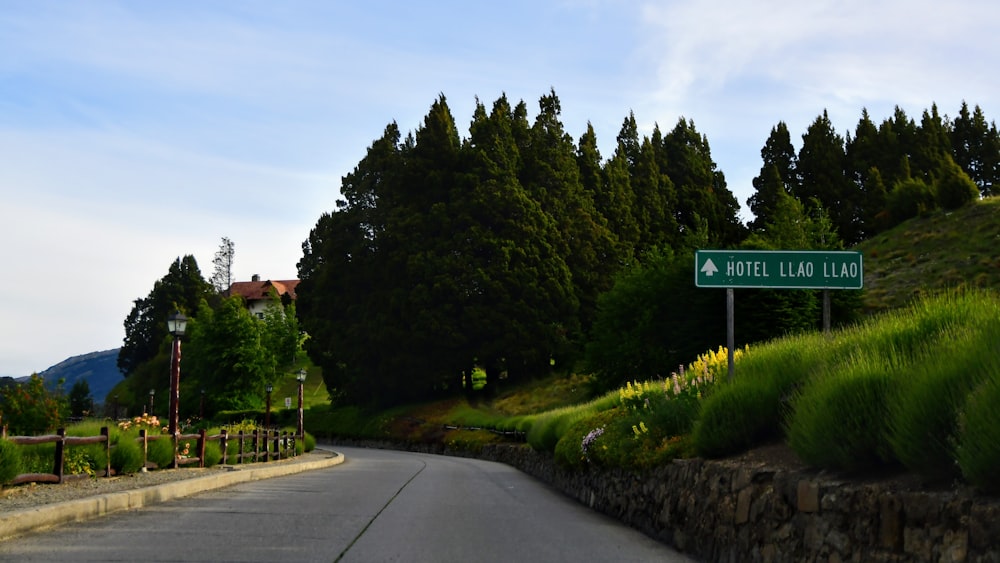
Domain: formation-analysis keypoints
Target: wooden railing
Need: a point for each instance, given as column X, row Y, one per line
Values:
column 266, row 445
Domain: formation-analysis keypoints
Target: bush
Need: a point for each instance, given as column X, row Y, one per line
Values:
column 924, row 420
column 10, row 461
column 126, row 456
column 838, row 422
column 213, row 453
column 738, row 416
column 161, row 452
column 978, row 449
column 310, row 442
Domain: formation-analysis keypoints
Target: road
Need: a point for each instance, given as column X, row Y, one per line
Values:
column 376, row 506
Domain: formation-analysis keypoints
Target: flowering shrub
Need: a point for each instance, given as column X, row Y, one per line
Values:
column 147, row 421
column 29, row 408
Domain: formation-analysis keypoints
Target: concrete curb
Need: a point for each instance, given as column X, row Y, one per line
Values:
column 20, row 522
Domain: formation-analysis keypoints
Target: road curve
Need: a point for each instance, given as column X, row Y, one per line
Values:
column 376, row 506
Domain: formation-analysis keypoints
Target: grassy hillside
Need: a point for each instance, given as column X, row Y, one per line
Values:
column 928, row 254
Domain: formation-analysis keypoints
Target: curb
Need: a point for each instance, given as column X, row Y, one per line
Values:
column 20, row 522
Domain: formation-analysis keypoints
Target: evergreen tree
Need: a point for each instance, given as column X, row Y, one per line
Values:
column 777, row 172
column 821, row 168
column 181, row 289
column 701, row 191
column 976, row 148
column 616, row 201
column 953, row 188
column 80, row 400
column 222, row 277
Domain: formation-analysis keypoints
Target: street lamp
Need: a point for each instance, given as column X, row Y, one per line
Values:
column 152, row 393
column 301, row 378
column 267, row 413
column 176, row 323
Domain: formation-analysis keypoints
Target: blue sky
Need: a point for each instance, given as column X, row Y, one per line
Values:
column 132, row 133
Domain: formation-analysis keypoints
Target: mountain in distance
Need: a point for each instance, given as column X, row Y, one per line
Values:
column 99, row 369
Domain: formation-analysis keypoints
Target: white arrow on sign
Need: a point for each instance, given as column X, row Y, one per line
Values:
column 709, row 268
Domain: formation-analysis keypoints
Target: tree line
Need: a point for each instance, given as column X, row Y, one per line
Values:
column 516, row 249
column 229, row 355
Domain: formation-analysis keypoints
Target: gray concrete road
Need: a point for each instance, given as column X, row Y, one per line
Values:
column 376, row 506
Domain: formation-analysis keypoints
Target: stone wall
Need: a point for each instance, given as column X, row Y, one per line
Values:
column 732, row 512
column 726, row 511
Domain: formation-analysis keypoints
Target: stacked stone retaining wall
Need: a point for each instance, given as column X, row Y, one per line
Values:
column 733, row 512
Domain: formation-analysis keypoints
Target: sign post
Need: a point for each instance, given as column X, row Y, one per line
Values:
column 777, row 269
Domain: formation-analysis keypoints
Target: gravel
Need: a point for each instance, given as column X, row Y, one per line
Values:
column 31, row 495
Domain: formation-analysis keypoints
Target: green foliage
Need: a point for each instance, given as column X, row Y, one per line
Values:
column 924, row 419
column 126, row 456
column 910, row 198
column 953, row 187
column 978, row 448
column 10, row 461
column 80, row 401
column 182, row 288
column 643, row 329
column 30, row 409
column 839, row 421
column 213, row 453
column 161, row 452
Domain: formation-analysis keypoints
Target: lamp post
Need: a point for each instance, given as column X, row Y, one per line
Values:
column 176, row 323
column 152, row 394
column 301, row 378
column 267, row 413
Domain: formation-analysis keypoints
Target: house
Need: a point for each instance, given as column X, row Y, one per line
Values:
column 257, row 294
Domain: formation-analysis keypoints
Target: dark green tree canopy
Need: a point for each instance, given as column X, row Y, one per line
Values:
column 491, row 251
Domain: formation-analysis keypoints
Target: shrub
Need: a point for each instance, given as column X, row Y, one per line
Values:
column 838, row 422
column 978, row 448
column 126, row 456
column 213, row 453
column 161, row 452
column 924, row 420
column 738, row 416
column 309, row 442
column 10, row 461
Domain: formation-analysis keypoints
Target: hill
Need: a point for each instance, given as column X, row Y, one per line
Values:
column 99, row 369
column 937, row 251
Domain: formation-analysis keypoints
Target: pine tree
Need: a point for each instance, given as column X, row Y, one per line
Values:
column 821, row 167
column 777, row 172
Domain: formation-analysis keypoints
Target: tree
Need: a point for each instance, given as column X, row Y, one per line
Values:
column 80, row 401
column 30, row 409
column 181, row 289
column 701, row 191
column 953, row 188
column 821, row 167
column 778, row 172
column 227, row 356
column 222, row 277
column 653, row 320
column 976, row 148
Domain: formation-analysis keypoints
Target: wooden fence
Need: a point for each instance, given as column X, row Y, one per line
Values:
column 263, row 446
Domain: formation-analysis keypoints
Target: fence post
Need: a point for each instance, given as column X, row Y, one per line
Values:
column 277, row 444
column 57, row 468
column 241, row 448
column 145, row 448
column 201, row 447
column 256, row 445
column 224, row 446
column 107, row 450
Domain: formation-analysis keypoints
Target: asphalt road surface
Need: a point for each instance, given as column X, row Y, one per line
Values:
column 377, row 506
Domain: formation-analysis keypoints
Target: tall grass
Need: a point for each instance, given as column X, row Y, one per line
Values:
column 897, row 380
column 978, row 447
column 839, row 421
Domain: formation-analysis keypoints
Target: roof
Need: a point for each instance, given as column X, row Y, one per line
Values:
column 258, row 290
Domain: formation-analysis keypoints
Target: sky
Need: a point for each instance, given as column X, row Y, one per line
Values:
column 134, row 133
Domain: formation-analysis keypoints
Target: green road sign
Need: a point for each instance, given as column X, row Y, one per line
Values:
column 786, row 269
